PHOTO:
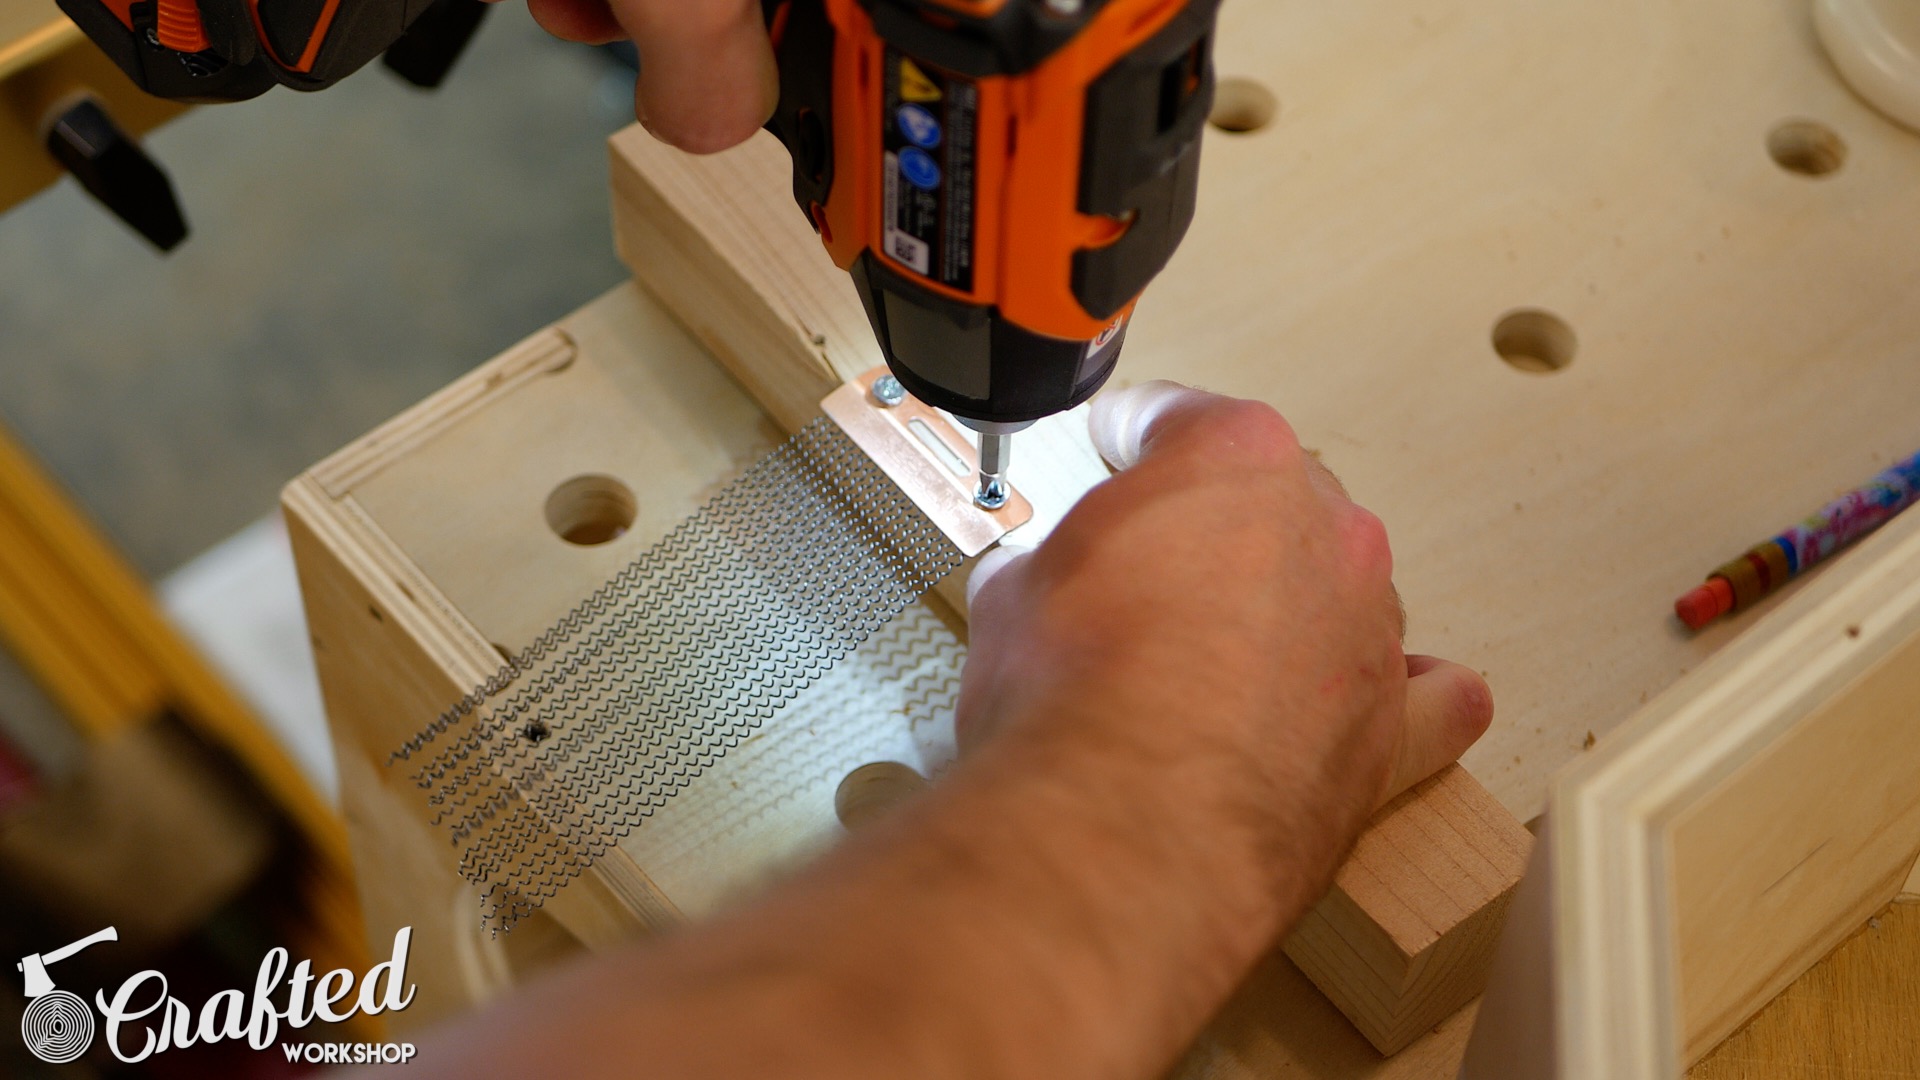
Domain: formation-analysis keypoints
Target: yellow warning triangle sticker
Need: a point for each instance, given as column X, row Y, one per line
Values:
column 914, row 84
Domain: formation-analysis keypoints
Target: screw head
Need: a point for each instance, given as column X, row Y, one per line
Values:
column 991, row 494
column 888, row 391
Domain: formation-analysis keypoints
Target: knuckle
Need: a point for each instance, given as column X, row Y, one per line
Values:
column 1258, row 430
column 1367, row 540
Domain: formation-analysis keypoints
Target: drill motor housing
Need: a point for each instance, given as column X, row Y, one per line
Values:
column 1001, row 178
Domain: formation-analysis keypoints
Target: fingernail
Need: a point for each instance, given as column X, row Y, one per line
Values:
column 1120, row 419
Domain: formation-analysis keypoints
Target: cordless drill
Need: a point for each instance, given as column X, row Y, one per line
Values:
column 1001, row 178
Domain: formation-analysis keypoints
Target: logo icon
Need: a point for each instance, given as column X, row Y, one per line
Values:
column 57, row 1026
column 914, row 84
column 919, row 168
column 918, row 125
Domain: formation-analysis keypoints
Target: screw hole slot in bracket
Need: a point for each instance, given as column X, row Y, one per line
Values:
column 898, row 438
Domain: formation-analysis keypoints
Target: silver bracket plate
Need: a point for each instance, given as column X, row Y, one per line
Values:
column 926, row 455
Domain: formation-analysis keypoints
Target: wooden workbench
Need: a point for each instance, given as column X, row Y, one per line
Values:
column 1581, row 299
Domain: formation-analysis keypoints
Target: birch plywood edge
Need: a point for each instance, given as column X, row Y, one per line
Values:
column 1403, row 940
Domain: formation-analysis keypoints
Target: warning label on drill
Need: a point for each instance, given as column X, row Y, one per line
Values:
column 929, row 124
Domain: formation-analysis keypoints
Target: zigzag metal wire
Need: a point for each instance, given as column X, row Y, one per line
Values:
column 675, row 660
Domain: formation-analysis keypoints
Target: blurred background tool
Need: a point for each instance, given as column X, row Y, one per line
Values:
column 109, row 163
column 144, row 780
column 65, row 106
column 231, row 50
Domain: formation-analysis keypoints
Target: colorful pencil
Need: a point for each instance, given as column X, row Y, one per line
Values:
column 1765, row 567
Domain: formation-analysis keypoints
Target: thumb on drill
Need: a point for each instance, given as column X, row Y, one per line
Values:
column 707, row 74
column 1448, row 708
column 1120, row 421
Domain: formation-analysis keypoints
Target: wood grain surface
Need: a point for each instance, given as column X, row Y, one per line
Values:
column 1853, row 1016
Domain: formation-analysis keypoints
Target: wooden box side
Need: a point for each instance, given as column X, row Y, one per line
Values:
column 392, row 652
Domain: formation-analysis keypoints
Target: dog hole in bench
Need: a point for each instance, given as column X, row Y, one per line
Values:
column 1533, row 340
column 870, row 791
column 1806, row 147
column 591, row 509
column 1241, row 105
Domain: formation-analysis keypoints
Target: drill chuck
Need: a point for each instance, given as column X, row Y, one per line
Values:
column 973, row 361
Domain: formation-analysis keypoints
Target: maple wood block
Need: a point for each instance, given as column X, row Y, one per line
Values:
column 1405, row 937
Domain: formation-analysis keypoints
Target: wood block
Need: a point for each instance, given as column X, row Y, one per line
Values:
column 1405, row 937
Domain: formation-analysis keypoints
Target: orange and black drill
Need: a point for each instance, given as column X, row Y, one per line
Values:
column 1002, row 178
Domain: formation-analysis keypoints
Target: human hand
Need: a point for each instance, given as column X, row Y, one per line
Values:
column 707, row 76
column 1191, row 696
column 1221, row 605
